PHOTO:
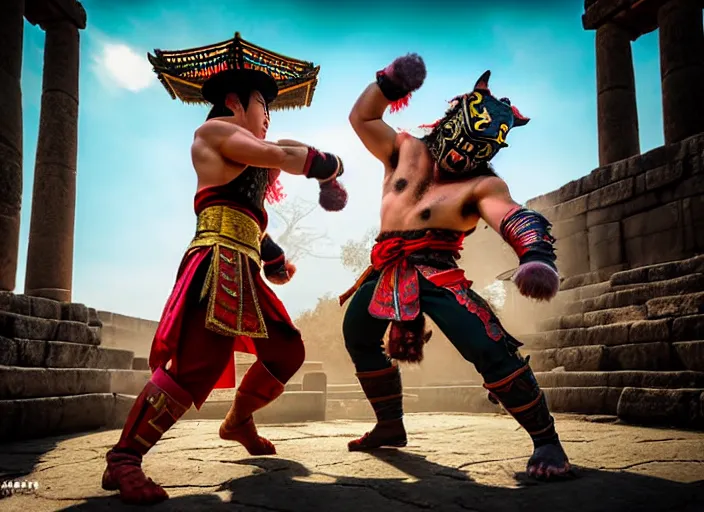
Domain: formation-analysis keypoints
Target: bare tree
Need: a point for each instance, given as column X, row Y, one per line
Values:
column 298, row 240
column 355, row 253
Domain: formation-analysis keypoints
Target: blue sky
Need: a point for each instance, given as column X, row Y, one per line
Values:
column 134, row 213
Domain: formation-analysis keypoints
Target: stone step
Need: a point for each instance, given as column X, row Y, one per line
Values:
column 689, row 355
column 621, row 379
column 590, row 278
column 13, row 325
column 140, row 363
column 657, row 356
column 636, row 295
column 290, row 407
column 48, row 309
column 659, row 272
column 358, row 409
column 61, row 354
column 632, row 305
column 641, row 331
column 583, row 400
column 20, row 383
column 344, row 387
column 662, row 407
column 41, row 417
column 356, row 395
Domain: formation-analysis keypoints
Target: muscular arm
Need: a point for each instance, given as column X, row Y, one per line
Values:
column 239, row 145
column 366, row 120
column 527, row 232
column 494, row 201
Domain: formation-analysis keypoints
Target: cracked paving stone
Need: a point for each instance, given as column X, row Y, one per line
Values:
column 454, row 462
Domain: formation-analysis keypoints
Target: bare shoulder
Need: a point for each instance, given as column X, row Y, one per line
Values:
column 490, row 186
column 213, row 129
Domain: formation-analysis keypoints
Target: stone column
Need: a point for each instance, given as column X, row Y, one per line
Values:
column 11, row 33
column 616, row 95
column 50, row 252
column 682, row 68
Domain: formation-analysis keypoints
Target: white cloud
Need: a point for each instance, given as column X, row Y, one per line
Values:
column 125, row 68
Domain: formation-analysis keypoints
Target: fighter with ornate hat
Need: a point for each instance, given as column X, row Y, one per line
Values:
column 220, row 302
column 435, row 191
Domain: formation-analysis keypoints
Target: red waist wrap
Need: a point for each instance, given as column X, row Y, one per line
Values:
column 397, row 294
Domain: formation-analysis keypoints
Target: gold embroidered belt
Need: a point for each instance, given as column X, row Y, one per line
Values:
column 233, row 307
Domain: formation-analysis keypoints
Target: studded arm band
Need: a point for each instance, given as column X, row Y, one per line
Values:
column 528, row 232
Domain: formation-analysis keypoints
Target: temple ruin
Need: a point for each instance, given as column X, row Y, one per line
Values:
column 624, row 338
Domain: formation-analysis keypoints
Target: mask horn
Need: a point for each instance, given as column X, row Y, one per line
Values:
column 518, row 118
column 483, row 82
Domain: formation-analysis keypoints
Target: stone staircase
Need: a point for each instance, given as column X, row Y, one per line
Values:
column 631, row 346
column 54, row 375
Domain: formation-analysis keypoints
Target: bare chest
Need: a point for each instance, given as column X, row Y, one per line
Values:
column 412, row 187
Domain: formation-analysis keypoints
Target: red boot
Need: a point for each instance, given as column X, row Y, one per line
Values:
column 161, row 403
column 385, row 393
column 258, row 388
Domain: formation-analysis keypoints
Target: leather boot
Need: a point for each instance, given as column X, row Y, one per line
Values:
column 258, row 388
column 384, row 391
column 160, row 404
column 521, row 396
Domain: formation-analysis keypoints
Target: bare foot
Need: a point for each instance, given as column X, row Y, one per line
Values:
column 549, row 462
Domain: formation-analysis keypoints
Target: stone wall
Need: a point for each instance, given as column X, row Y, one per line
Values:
column 639, row 211
column 127, row 332
column 644, row 210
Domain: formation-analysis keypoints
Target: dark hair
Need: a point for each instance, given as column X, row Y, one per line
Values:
column 220, row 110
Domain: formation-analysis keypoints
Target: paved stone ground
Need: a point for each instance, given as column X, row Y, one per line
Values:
column 454, row 462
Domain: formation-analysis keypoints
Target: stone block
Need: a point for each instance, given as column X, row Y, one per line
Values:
column 41, row 417
column 645, row 356
column 605, row 246
column 589, row 278
column 663, row 218
column 74, row 312
column 688, row 328
column 676, row 305
column 627, row 277
column 674, row 269
column 654, row 158
column 565, row 193
column 663, row 175
column 588, row 358
column 648, row 331
column 621, row 379
column 315, row 381
column 17, row 382
column 568, row 227
column 573, row 254
column 30, row 306
column 572, row 321
column 58, row 354
column 611, row 194
column 688, row 187
column 667, row 407
column 615, row 334
column 654, row 236
column 693, row 220
column 616, row 315
column 583, row 400
column 690, row 355
column 26, row 327
column 569, row 209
